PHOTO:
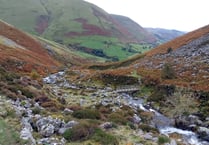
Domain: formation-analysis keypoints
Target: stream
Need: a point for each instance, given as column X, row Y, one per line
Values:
column 161, row 122
column 164, row 124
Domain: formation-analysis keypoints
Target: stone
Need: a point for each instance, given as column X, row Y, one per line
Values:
column 67, row 111
column 68, row 125
column 203, row 133
column 106, row 125
column 62, row 130
column 26, row 134
column 136, row 119
column 52, row 141
column 173, row 142
column 47, row 126
column 203, row 130
column 148, row 136
column 47, row 130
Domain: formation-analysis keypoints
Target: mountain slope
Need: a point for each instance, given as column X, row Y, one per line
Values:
column 134, row 29
column 164, row 35
column 189, row 57
column 21, row 52
column 76, row 24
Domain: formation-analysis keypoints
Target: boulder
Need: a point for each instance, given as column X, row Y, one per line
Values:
column 203, row 132
column 47, row 130
column 47, row 126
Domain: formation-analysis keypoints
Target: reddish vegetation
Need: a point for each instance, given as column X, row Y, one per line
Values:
column 42, row 23
column 180, row 41
column 122, row 30
column 33, row 57
column 89, row 29
column 192, row 74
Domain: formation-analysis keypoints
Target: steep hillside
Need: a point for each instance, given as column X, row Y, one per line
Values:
column 21, row 52
column 134, row 29
column 164, row 35
column 189, row 57
column 77, row 24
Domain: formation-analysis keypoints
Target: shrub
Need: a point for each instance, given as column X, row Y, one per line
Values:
column 150, row 81
column 168, row 72
column 146, row 116
column 34, row 75
column 163, row 139
column 169, row 50
column 104, row 138
column 79, row 132
column 147, row 128
column 87, row 114
column 118, row 118
column 161, row 92
column 36, row 110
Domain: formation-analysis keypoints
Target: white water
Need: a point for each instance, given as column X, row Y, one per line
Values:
column 165, row 126
column 190, row 136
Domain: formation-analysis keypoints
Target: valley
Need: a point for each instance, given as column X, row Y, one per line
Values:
column 73, row 74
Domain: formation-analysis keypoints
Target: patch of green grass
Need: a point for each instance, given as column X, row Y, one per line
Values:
column 8, row 136
column 163, row 139
column 104, row 138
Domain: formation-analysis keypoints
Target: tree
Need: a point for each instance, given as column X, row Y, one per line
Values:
column 168, row 72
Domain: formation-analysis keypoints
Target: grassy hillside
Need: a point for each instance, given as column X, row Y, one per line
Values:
column 79, row 25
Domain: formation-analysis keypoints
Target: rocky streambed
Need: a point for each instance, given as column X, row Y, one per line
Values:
column 49, row 129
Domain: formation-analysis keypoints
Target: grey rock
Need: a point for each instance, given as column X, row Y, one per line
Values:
column 52, row 141
column 173, row 142
column 203, row 130
column 67, row 111
column 47, row 130
column 26, row 134
column 47, row 126
column 106, row 125
column 62, row 130
column 136, row 119
column 148, row 136
column 68, row 125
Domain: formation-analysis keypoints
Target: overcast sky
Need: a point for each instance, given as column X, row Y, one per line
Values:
column 184, row 15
